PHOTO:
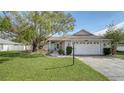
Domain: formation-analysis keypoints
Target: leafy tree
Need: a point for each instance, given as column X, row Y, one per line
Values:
column 5, row 22
column 5, row 25
column 116, row 34
column 37, row 27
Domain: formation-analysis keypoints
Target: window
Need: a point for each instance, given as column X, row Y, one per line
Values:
column 97, row 42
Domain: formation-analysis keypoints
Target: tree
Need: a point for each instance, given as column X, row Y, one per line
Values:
column 116, row 34
column 5, row 25
column 37, row 27
column 5, row 22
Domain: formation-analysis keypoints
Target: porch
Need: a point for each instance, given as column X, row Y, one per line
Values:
column 54, row 46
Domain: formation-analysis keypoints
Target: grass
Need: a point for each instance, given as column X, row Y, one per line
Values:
column 120, row 54
column 25, row 66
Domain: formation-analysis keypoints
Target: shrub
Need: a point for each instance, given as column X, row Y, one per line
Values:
column 106, row 51
column 68, row 50
column 61, row 51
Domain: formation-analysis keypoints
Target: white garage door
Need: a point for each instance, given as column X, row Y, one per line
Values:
column 87, row 49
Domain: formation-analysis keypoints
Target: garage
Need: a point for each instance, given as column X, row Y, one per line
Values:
column 87, row 48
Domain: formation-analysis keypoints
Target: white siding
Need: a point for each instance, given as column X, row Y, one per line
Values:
column 6, row 47
column 16, row 47
column 1, row 47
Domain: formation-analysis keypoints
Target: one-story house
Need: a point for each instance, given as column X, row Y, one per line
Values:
column 6, row 45
column 85, row 43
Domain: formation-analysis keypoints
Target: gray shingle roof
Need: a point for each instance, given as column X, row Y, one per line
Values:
column 76, row 38
column 81, row 35
column 57, row 38
column 85, row 37
column 3, row 41
column 83, row 32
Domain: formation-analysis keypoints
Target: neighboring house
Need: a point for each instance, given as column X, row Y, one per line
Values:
column 120, row 47
column 6, row 45
column 85, row 43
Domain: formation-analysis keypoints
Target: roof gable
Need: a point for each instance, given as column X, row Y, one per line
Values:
column 83, row 33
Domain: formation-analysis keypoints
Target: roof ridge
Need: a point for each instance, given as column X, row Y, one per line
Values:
column 83, row 32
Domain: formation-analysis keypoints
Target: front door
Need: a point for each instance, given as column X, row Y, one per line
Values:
column 55, row 46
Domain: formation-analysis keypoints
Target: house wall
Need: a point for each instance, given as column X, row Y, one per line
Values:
column 1, row 47
column 7, row 47
column 16, row 47
column 63, row 45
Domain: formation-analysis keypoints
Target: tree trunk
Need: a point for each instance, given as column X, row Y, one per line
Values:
column 34, row 46
column 114, row 48
column 38, row 44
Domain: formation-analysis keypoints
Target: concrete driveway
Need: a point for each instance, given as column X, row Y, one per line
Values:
column 113, row 68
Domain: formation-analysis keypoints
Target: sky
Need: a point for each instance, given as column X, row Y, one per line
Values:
column 94, row 21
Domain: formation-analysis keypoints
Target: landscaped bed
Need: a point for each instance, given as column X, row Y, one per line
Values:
column 25, row 66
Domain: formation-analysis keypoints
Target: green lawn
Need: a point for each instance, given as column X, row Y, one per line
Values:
column 24, row 66
column 120, row 55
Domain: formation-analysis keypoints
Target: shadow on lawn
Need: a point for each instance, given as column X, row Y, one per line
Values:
column 4, row 60
column 19, row 54
column 59, row 67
